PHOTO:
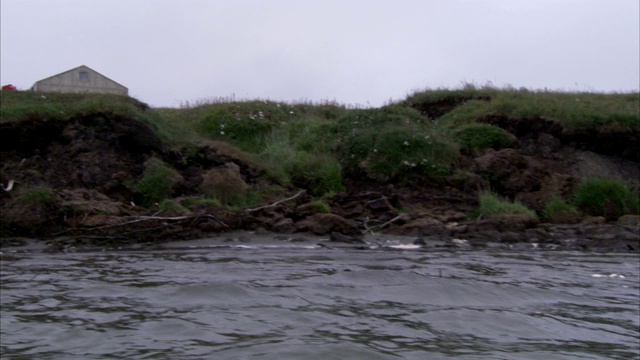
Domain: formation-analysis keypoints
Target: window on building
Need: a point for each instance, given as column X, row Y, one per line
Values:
column 84, row 76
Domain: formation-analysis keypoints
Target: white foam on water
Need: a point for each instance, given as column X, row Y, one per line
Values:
column 405, row 246
column 242, row 247
column 612, row 276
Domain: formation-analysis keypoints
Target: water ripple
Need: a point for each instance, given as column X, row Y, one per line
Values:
column 270, row 303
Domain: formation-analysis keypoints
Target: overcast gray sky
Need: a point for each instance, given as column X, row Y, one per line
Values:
column 353, row 51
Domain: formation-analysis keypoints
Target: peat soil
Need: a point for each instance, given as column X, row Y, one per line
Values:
column 93, row 162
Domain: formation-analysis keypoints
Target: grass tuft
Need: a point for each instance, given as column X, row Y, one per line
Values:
column 492, row 204
column 37, row 195
column 318, row 172
column 556, row 205
column 610, row 198
column 157, row 182
column 481, row 136
column 169, row 207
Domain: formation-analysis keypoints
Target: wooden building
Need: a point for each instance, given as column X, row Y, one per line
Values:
column 80, row 80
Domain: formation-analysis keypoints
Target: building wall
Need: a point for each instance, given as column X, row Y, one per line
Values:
column 80, row 80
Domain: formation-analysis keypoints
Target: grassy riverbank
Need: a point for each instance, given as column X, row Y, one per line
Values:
column 514, row 150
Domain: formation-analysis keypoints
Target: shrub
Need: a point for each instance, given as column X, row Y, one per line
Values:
column 610, row 198
column 278, row 153
column 157, row 182
column 492, row 204
column 481, row 136
column 225, row 183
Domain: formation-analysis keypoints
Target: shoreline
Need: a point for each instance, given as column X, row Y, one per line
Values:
column 602, row 238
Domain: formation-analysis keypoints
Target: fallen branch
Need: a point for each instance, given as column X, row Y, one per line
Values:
column 277, row 202
column 365, row 223
column 378, row 227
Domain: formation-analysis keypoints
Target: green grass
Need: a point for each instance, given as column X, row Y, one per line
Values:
column 574, row 110
column 318, row 173
column 555, row 205
column 28, row 105
column 392, row 144
column 319, row 206
column 314, row 170
column 201, row 201
column 37, row 195
column 168, row 207
column 492, row 204
column 481, row 136
column 610, row 198
column 245, row 123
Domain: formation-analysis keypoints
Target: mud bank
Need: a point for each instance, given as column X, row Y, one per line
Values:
column 548, row 238
column 91, row 163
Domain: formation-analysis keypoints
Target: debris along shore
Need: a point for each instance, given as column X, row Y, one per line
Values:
column 108, row 170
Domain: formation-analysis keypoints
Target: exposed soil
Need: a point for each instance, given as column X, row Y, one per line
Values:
column 92, row 161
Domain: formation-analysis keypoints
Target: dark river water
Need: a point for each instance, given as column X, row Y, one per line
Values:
column 208, row 300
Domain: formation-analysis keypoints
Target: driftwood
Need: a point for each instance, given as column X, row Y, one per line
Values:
column 139, row 219
column 277, row 202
